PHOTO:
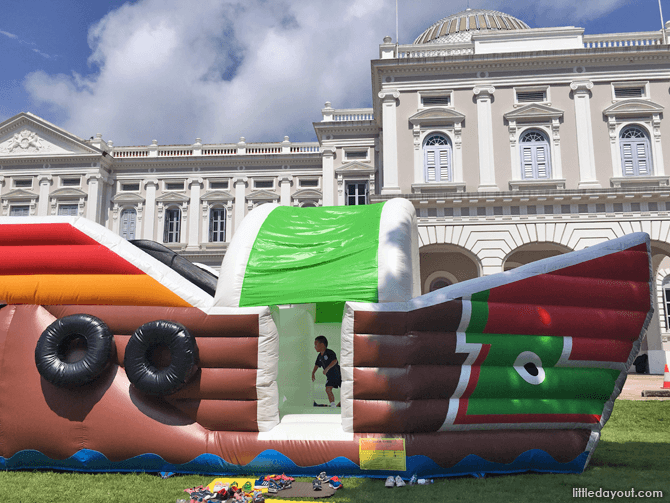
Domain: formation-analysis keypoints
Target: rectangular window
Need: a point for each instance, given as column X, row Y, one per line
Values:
column 531, row 96
column 465, row 212
column 618, row 207
column 432, row 212
column 565, row 208
column 548, row 209
column 531, row 210
column 24, row 183
column 634, row 206
column 174, row 185
column 356, row 154
column 68, row 210
column 583, row 208
column 308, row 183
column 19, row 211
column 448, row 212
column 481, row 211
column 629, row 92
column 600, row 208
column 217, row 225
column 443, row 100
column 218, row 185
column 70, row 182
column 264, row 184
column 357, row 193
column 497, row 210
column 652, row 206
column 128, row 187
column 171, row 232
column 514, row 210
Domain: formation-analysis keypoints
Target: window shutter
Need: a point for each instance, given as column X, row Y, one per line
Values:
column 430, row 164
column 541, row 162
column 627, row 150
column 642, row 159
column 527, row 162
column 444, row 165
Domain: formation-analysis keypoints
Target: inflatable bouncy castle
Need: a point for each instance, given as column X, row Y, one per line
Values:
column 123, row 356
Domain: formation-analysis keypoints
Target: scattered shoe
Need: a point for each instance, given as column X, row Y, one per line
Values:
column 335, row 483
column 399, row 482
column 246, row 487
column 390, row 481
column 316, row 485
column 413, row 480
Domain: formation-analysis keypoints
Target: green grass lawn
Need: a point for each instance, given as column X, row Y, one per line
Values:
column 634, row 452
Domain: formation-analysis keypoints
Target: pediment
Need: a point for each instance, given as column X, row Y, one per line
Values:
column 128, row 198
column 436, row 117
column 68, row 193
column 633, row 108
column 19, row 194
column 217, row 195
column 355, row 167
column 307, row 194
column 263, row 195
column 26, row 134
column 172, row 197
column 533, row 111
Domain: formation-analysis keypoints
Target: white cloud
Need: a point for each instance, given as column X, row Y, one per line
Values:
column 261, row 69
column 7, row 34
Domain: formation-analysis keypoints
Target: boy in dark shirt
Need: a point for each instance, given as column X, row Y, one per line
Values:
column 331, row 369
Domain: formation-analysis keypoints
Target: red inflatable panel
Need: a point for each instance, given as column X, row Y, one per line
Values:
column 42, row 234
column 629, row 265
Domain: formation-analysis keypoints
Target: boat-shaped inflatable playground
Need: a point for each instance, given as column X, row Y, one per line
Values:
column 123, row 356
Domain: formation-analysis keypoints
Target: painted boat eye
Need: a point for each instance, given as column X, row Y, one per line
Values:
column 529, row 366
column 531, row 369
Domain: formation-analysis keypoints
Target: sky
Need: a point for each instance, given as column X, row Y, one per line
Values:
column 175, row 70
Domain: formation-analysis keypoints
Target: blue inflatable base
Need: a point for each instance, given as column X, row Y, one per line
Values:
column 271, row 461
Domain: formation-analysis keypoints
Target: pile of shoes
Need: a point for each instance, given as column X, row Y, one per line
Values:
column 322, row 478
column 226, row 492
column 397, row 481
column 274, row 483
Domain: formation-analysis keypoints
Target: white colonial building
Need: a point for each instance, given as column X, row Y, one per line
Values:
column 513, row 143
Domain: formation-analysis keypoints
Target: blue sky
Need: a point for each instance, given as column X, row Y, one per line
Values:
column 173, row 70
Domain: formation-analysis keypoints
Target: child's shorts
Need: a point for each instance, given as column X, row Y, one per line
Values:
column 334, row 383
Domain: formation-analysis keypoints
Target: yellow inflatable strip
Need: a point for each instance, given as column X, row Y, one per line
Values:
column 87, row 289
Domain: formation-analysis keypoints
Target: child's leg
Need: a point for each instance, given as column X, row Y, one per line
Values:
column 329, row 392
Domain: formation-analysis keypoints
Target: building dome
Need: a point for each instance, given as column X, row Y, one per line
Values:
column 458, row 28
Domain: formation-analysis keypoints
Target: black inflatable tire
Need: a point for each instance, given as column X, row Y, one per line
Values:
column 100, row 348
column 183, row 355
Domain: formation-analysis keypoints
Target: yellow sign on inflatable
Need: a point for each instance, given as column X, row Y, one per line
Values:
column 382, row 454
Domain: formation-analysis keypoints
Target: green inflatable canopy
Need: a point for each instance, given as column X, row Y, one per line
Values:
column 328, row 255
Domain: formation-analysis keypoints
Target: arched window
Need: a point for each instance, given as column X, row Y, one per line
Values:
column 535, row 157
column 217, row 225
column 171, row 233
column 635, row 152
column 666, row 301
column 308, row 204
column 128, row 222
column 437, row 156
column 438, row 283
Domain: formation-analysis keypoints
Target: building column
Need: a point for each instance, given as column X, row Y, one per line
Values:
column 194, row 214
column 92, row 208
column 285, row 192
column 205, row 221
column 328, row 162
column 390, row 184
column 150, row 213
column 229, row 221
column 586, row 155
column 487, row 176
column 240, row 193
column 45, row 182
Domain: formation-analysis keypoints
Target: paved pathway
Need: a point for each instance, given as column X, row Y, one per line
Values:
column 636, row 383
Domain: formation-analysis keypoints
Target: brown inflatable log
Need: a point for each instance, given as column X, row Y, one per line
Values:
column 420, row 348
column 408, row 383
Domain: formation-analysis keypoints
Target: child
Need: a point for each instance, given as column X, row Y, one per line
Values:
column 331, row 369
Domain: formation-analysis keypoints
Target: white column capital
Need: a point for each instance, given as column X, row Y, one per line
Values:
column 152, row 181
column 239, row 179
column 389, row 94
column 328, row 151
column 581, row 86
column 285, row 178
column 193, row 180
column 97, row 177
column 46, row 179
column 483, row 91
